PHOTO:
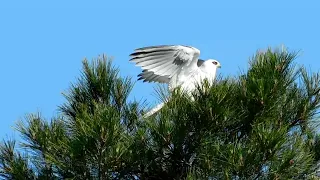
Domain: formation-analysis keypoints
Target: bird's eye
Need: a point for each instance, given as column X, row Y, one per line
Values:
column 215, row 62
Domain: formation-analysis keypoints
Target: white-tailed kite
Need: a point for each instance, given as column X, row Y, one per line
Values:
column 175, row 65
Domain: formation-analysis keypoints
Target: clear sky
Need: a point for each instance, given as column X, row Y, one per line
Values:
column 42, row 43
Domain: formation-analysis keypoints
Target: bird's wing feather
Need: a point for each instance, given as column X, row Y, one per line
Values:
column 148, row 76
column 160, row 63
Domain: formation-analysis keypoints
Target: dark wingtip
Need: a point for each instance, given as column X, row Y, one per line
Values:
column 151, row 47
column 146, row 50
column 137, row 53
column 131, row 59
column 132, row 54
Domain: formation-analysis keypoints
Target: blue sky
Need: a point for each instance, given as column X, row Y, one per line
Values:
column 42, row 43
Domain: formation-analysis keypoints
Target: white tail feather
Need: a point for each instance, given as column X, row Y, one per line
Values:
column 154, row 110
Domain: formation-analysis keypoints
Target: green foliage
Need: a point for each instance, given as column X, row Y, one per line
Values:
column 12, row 164
column 260, row 125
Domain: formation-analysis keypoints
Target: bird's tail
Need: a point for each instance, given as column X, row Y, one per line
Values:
column 154, row 110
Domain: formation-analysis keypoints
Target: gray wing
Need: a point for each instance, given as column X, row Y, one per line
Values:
column 160, row 63
column 200, row 62
column 149, row 76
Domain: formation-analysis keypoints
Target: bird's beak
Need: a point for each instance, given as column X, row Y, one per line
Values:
column 219, row 66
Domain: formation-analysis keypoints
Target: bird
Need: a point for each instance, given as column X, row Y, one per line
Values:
column 175, row 65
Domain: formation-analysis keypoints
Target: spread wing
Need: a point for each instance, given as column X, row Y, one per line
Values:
column 160, row 63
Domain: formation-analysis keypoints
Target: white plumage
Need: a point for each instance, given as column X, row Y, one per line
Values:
column 175, row 65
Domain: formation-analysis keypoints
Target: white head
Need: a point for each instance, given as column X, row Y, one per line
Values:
column 211, row 65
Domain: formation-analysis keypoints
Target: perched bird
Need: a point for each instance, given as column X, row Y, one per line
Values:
column 175, row 65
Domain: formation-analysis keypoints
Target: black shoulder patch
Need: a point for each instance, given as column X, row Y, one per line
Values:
column 200, row 62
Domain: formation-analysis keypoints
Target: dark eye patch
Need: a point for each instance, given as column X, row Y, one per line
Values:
column 215, row 62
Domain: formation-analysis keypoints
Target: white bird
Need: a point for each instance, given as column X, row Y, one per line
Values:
column 175, row 65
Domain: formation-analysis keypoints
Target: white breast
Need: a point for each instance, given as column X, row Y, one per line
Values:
column 187, row 79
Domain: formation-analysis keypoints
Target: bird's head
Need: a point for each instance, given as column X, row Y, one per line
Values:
column 212, row 63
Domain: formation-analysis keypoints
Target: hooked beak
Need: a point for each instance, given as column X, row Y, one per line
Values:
column 219, row 66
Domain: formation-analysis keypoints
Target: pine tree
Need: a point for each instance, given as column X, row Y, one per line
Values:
column 258, row 125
